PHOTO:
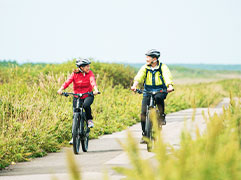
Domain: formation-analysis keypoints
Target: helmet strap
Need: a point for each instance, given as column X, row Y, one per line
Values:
column 154, row 61
column 80, row 69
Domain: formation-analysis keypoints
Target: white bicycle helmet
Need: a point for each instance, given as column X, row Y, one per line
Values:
column 82, row 62
column 153, row 53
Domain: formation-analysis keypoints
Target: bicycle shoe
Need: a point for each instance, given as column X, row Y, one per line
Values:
column 142, row 141
column 164, row 122
column 164, row 119
column 90, row 123
column 71, row 142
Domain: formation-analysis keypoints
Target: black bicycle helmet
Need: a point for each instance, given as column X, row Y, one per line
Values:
column 153, row 53
column 82, row 62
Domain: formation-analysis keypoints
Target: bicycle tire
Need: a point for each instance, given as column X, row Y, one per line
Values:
column 148, row 131
column 76, row 133
column 85, row 133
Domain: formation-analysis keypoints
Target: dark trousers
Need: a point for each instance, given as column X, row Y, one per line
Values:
column 87, row 103
column 159, row 98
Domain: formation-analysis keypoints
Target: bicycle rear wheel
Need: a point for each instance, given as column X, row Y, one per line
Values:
column 76, row 133
column 85, row 133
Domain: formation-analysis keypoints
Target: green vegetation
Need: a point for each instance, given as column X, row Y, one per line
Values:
column 8, row 63
column 212, row 67
column 201, row 71
column 214, row 155
column 180, row 72
column 34, row 120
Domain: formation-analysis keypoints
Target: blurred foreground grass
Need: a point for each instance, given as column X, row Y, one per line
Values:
column 216, row 154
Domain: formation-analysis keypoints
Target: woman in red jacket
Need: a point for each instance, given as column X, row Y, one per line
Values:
column 83, row 81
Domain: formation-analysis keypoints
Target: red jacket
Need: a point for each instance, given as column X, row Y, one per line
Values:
column 81, row 83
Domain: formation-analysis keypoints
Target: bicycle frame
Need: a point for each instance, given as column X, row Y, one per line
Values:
column 81, row 115
column 148, row 126
column 152, row 103
column 80, row 130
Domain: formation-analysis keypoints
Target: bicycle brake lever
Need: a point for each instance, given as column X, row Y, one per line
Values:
column 139, row 91
column 65, row 94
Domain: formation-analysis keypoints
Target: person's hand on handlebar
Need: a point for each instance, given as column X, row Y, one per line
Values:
column 170, row 88
column 60, row 91
column 96, row 91
column 133, row 88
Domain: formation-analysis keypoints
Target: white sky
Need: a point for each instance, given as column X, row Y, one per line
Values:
column 185, row 31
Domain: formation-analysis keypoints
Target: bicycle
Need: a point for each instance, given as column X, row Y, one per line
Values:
column 149, row 130
column 80, row 127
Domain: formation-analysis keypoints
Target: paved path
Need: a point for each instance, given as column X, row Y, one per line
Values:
column 105, row 152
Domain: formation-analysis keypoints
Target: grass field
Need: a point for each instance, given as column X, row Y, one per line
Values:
column 34, row 120
column 198, row 73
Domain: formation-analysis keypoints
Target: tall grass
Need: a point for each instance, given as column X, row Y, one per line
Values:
column 214, row 155
column 34, row 120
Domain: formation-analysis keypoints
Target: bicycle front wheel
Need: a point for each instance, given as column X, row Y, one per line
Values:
column 149, row 131
column 76, row 133
column 85, row 133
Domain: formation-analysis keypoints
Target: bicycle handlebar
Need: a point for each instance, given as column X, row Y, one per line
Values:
column 151, row 92
column 66, row 94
